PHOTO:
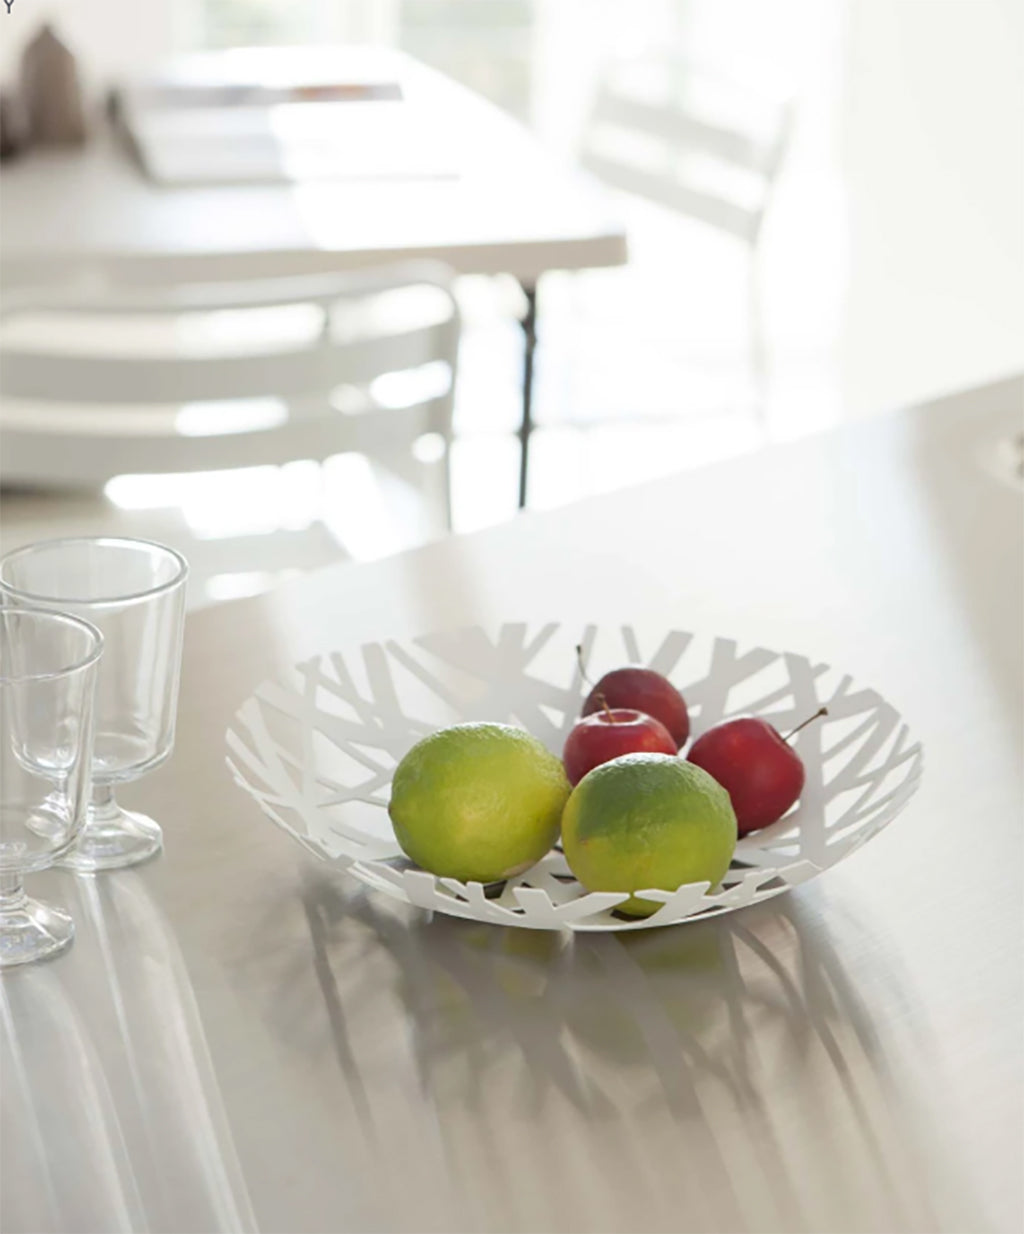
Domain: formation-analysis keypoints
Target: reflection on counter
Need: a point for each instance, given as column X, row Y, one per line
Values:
column 747, row 1031
column 110, row 1058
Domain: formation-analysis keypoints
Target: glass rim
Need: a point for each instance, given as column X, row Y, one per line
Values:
column 86, row 661
column 129, row 597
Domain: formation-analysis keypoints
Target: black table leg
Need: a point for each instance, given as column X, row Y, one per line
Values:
column 529, row 324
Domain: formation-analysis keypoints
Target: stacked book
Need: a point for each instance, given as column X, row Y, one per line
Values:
column 278, row 114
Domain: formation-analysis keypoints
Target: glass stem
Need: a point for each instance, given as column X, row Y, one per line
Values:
column 102, row 806
column 12, row 893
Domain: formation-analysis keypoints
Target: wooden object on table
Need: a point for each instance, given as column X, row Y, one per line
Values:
column 51, row 91
column 14, row 134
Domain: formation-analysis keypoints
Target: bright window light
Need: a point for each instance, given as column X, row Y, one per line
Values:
column 235, row 416
column 415, row 385
column 146, row 492
column 242, row 501
column 429, row 448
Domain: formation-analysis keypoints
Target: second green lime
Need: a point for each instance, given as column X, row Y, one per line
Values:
column 647, row 821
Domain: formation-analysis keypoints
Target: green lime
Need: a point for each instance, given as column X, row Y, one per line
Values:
column 648, row 821
column 477, row 802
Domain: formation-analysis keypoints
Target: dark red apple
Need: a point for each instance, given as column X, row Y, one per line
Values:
column 642, row 689
column 761, row 773
column 610, row 733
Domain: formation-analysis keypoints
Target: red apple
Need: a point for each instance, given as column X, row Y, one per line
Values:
column 610, row 733
column 644, row 690
column 761, row 773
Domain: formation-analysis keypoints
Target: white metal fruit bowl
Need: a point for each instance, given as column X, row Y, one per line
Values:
column 317, row 752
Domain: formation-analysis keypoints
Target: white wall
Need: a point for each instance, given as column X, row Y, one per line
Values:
column 932, row 135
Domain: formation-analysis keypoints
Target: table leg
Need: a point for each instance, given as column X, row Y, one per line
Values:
column 529, row 324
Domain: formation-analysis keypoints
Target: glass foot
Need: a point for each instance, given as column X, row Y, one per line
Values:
column 31, row 930
column 113, row 839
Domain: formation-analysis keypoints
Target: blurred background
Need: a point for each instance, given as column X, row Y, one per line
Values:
column 871, row 255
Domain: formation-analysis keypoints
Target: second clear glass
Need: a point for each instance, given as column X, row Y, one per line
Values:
column 48, row 665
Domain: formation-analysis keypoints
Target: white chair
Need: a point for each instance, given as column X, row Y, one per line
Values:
column 675, row 135
column 75, row 415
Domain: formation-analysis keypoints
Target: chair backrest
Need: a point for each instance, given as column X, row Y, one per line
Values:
column 102, row 409
column 674, row 134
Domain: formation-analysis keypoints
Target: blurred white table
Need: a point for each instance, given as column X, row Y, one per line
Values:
column 242, row 1038
column 511, row 209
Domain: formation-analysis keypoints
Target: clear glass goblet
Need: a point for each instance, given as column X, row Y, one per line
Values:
column 133, row 591
column 48, row 664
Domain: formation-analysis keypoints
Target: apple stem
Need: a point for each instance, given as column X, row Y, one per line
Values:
column 822, row 711
column 586, row 681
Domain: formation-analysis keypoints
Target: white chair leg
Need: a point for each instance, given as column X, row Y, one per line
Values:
column 446, row 480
